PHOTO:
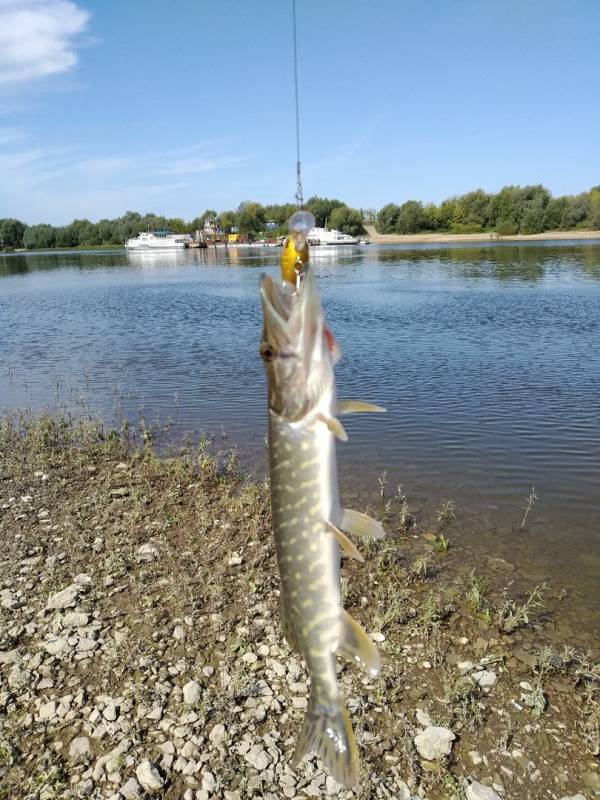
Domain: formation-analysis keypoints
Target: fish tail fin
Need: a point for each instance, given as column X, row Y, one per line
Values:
column 328, row 732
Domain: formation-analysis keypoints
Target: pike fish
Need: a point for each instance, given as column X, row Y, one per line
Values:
column 299, row 353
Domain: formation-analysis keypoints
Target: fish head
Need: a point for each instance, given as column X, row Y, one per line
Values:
column 296, row 346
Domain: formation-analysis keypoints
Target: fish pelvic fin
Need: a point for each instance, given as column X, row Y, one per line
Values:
column 358, row 407
column 361, row 524
column 327, row 731
column 348, row 547
column 335, row 426
column 356, row 646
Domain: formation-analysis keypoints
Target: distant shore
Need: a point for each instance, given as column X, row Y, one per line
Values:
column 433, row 238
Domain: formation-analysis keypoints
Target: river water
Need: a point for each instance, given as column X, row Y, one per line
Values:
column 487, row 359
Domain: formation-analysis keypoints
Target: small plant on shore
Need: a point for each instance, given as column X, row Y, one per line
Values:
column 405, row 518
column 530, row 503
column 478, row 597
column 419, row 569
column 462, row 697
column 589, row 722
column 446, row 512
column 442, row 545
column 512, row 616
column 535, row 699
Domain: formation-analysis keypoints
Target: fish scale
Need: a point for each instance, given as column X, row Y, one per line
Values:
column 308, row 519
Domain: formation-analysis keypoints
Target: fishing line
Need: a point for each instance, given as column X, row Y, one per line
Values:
column 299, row 193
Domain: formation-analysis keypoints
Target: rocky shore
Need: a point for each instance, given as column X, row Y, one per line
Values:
column 141, row 653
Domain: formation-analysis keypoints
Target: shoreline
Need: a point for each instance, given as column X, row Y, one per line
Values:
column 441, row 238
column 142, row 642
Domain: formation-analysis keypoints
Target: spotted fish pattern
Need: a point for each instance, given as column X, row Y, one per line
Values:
column 308, row 519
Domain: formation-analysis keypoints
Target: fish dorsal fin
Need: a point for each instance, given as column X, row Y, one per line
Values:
column 358, row 407
column 356, row 646
column 361, row 524
column 348, row 547
column 335, row 426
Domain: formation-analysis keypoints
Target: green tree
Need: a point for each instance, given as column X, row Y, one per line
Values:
column 387, row 218
column 250, row 218
column 594, row 205
column 347, row 220
column 226, row 220
column 321, row 208
column 11, row 233
column 410, row 218
column 39, row 236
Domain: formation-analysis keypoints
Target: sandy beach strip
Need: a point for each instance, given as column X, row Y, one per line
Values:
column 441, row 238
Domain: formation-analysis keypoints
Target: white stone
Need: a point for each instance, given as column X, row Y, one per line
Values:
column 57, row 644
column 18, row 678
column 149, row 777
column 209, row 782
column 179, row 632
column 75, row 619
column 578, row 796
column 485, row 678
column 434, row 743
column 130, row 790
column 146, row 553
column 477, row 791
column 192, row 693
column 217, row 735
column 48, row 710
column 64, row 598
column 110, row 712
column 8, row 599
column 79, row 748
column 258, row 757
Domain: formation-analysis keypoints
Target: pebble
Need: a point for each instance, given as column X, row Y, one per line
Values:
column 573, row 797
column 75, row 619
column 149, row 777
column 258, row 757
column 64, row 598
column 477, row 791
column 47, row 710
column 434, row 743
column 146, row 553
column 57, row 644
column 192, row 693
column 485, row 678
column 130, row 790
column 79, row 748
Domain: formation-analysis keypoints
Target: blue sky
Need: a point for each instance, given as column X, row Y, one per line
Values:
column 109, row 105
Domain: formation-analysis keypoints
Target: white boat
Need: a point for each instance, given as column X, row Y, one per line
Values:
column 321, row 236
column 159, row 240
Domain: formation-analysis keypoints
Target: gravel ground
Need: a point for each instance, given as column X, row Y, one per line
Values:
column 141, row 653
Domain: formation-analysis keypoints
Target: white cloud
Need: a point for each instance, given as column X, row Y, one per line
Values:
column 37, row 38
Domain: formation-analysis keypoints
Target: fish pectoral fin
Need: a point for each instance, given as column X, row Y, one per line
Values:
column 361, row 524
column 348, row 547
column 327, row 731
column 358, row 407
column 356, row 646
column 335, row 426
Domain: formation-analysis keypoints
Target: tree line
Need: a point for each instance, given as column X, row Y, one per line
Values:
column 515, row 209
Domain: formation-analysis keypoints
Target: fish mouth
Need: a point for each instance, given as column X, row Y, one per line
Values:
column 291, row 313
column 278, row 303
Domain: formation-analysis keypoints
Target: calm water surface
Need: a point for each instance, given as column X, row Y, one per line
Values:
column 487, row 359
